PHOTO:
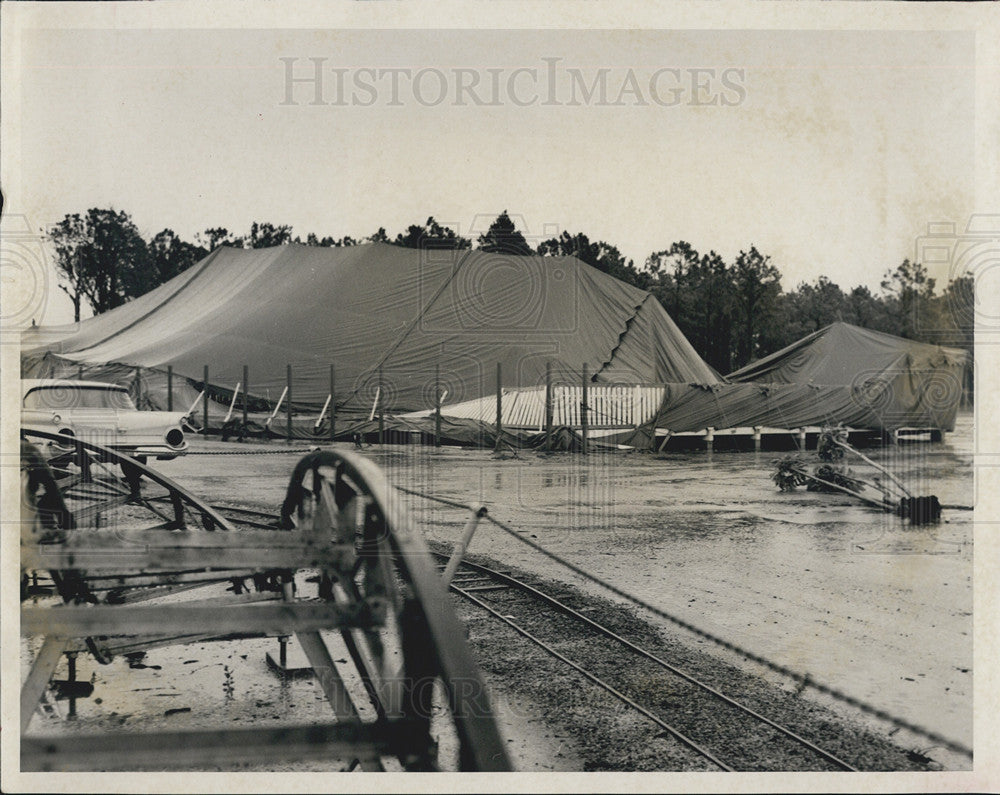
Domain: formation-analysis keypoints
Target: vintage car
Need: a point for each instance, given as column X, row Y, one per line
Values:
column 104, row 414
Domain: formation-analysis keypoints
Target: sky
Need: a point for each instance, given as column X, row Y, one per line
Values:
column 831, row 151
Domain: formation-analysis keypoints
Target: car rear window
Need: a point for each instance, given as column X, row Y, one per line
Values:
column 78, row 397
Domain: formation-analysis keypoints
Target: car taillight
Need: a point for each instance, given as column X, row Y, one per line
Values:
column 175, row 437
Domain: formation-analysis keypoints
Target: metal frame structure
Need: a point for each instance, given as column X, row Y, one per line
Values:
column 377, row 587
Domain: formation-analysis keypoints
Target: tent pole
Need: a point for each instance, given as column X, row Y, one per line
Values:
column 499, row 407
column 170, row 387
column 583, row 412
column 437, row 404
column 333, row 405
column 204, row 427
column 232, row 403
column 288, row 387
column 378, row 403
column 246, row 395
column 548, row 406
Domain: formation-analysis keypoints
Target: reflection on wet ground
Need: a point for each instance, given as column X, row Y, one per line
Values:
column 817, row 582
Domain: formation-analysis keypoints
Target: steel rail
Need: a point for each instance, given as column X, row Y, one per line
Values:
column 598, row 681
column 803, row 680
column 541, row 595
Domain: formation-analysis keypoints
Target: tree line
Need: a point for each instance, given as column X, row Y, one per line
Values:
column 732, row 312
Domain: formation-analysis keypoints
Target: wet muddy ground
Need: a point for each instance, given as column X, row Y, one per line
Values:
column 818, row 583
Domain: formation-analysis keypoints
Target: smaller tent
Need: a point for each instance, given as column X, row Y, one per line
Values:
column 896, row 382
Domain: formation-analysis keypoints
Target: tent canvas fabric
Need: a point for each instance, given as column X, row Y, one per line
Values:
column 841, row 374
column 411, row 313
column 377, row 306
column 844, row 354
column 866, row 378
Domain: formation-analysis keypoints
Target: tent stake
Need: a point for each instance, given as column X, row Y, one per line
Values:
column 232, row 403
column 322, row 413
column 277, row 408
column 197, row 400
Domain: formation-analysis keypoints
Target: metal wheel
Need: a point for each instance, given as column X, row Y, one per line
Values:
column 415, row 646
column 377, row 590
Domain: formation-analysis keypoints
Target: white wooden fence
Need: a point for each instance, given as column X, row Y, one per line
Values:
column 609, row 406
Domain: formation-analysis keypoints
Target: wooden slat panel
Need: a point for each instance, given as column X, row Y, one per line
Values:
column 204, row 617
column 611, row 406
column 190, row 749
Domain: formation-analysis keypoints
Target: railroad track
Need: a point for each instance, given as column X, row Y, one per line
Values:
column 729, row 735
column 715, row 727
column 712, row 727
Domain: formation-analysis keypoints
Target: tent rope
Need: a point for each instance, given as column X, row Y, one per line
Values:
column 803, row 680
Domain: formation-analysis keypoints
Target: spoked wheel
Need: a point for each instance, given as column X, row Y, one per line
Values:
column 102, row 486
column 74, row 486
column 378, row 594
column 410, row 651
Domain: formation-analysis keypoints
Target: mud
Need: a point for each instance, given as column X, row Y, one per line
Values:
column 816, row 582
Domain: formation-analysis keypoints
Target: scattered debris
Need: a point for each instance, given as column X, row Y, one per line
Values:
column 834, row 475
column 176, row 710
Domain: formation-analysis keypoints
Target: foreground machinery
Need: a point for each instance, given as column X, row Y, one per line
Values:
column 115, row 548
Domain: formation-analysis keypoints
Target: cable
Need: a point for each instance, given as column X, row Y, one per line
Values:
column 804, row 680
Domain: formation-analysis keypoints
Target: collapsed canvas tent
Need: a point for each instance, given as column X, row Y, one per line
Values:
column 844, row 354
column 900, row 382
column 399, row 324
column 405, row 319
column 840, row 374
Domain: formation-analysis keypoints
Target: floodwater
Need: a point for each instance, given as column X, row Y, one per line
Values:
column 857, row 599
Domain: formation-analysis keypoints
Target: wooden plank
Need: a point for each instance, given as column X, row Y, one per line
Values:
column 328, row 676
column 153, row 582
column 187, row 750
column 129, row 645
column 203, row 617
column 38, row 677
column 143, row 551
